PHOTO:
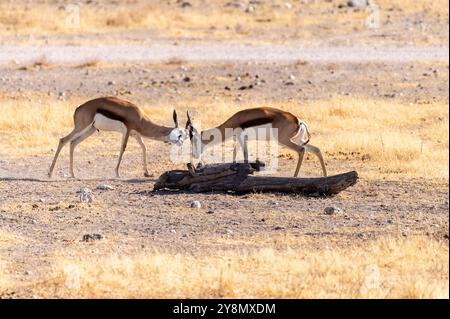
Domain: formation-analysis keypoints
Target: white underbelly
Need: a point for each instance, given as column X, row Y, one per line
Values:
column 104, row 123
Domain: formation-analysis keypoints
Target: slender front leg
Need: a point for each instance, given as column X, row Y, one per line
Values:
column 84, row 135
column 144, row 153
column 125, row 137
column 63, row 141
column 243, row 138
column 235, row 145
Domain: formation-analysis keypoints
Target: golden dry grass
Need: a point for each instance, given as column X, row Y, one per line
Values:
column 387, row 268
column 213, row 19
column 393, row 138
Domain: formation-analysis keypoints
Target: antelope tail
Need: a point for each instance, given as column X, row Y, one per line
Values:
column 301, row 123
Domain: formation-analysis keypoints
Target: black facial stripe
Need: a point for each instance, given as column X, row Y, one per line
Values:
column 111, row 115
column 256, row 122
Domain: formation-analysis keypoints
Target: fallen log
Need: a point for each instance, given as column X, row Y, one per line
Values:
column 237, row 177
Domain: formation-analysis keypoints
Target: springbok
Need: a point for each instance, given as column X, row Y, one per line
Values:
column 291, row 133
column 114, row 114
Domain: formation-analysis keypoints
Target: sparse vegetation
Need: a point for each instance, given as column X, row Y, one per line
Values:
column 221, row 19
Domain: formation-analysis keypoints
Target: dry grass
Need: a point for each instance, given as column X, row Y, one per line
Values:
column 391, row 138
column 387, row 268
column 202, row 19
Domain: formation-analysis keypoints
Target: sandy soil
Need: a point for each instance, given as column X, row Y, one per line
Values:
column 49, row 218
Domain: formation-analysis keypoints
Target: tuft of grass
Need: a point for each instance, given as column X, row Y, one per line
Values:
column 387, row 268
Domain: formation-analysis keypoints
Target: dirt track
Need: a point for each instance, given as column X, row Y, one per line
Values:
column 220, row 52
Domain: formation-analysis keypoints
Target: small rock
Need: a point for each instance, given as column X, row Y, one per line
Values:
column 250, row 9
column 187, row 79
column 357, row 3
column 111, row 82
column 41, row 200
column 279, row 227
column 173, row 231
column 274, row 203
column 105, row 187
column 91, row 237
column 211, row 211
column 86, row 195
column 288, row 5
column 186, row 4
column 331, row 210
column 292, row 77
column 196, row 204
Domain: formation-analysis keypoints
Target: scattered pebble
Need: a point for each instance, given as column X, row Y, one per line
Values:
column 357, row 3
column 92, row 237
column 250, row 9
column 331, row 210
column 86, row 195
column 196, row 204
column 279, row 227
column 105, row 187
column 211, row 211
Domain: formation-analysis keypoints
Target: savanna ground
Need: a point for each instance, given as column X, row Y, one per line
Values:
column 387, row 120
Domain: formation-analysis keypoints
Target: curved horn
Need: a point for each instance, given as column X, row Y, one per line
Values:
column 175, row 118
column 189, row 122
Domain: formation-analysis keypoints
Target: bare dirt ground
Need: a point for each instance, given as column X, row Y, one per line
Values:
column 399, row 195
column 48, row 216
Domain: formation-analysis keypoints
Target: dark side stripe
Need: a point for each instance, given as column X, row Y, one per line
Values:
column 256, row 122
column 111, row 115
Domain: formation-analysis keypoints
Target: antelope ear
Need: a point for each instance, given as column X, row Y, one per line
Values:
column 175, row 118
column 189, row 122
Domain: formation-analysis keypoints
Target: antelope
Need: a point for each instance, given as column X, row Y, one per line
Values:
column 292, row 133
column 114, row 114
